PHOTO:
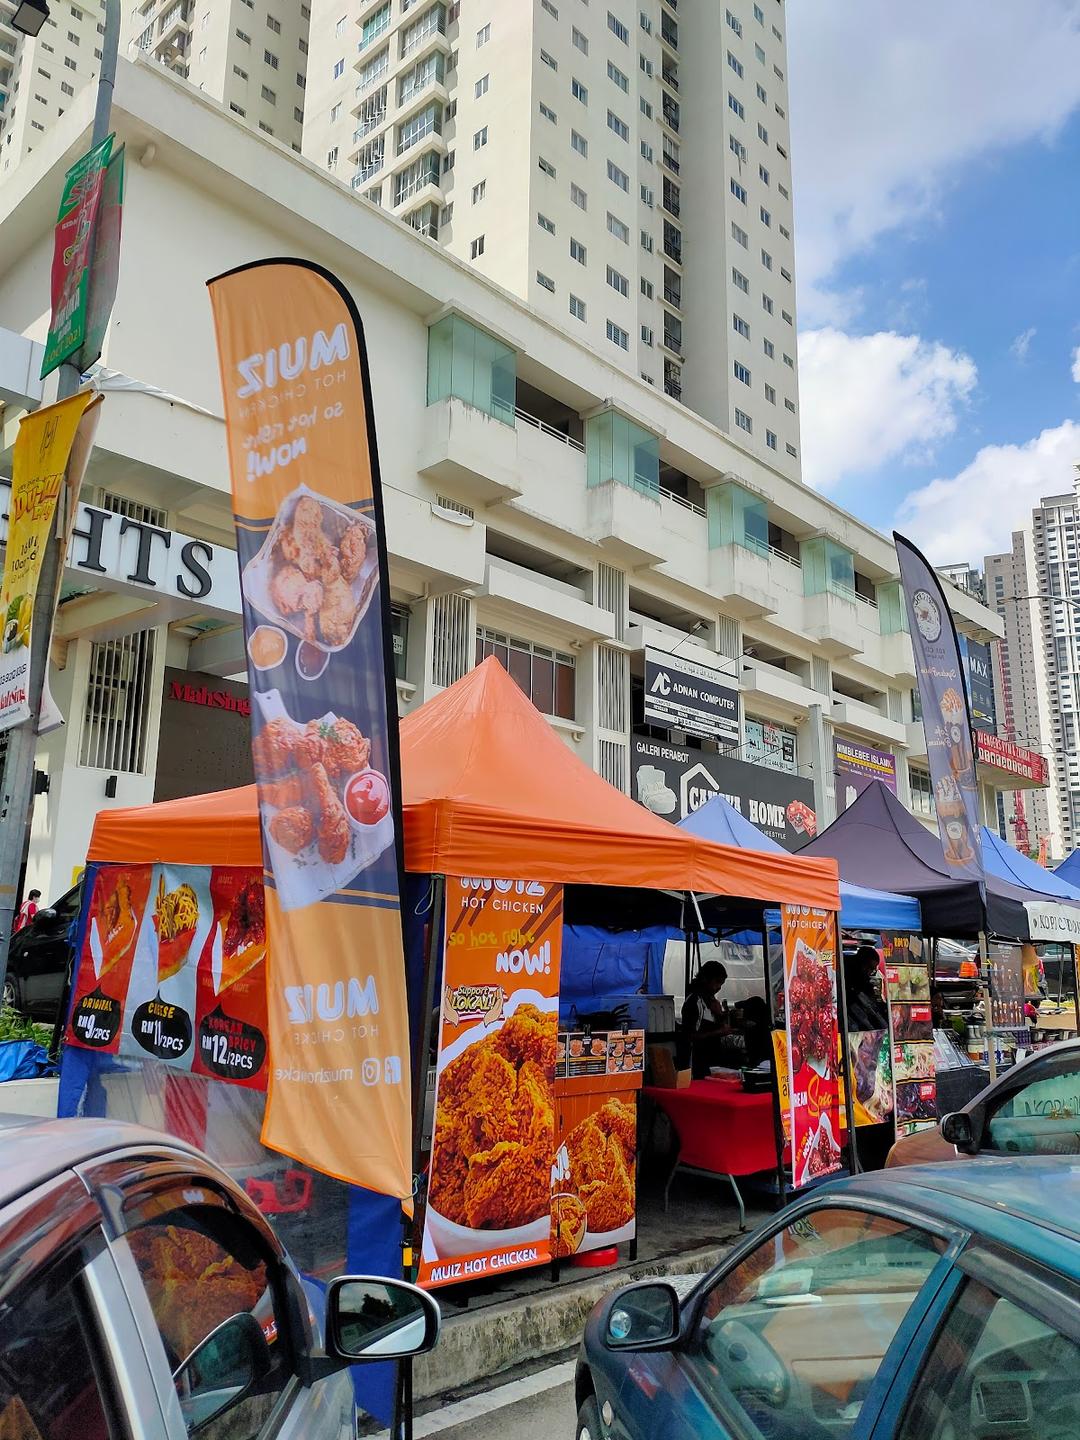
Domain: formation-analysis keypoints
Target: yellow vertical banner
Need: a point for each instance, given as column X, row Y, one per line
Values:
column 38, row 469
column 308, row 510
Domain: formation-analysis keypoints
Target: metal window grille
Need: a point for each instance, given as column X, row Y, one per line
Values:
column 611, row 595
column 133, row 509
column 821, row 675
column 614, row 763
column 728, row 638
column 452, row 638
column 117, row 715
column 613, row 690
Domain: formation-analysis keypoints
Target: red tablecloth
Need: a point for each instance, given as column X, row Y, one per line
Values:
column 721, row 1128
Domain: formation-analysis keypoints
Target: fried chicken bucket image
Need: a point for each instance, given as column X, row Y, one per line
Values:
column 316, row 572
column 495, row 1137
column 240, row 942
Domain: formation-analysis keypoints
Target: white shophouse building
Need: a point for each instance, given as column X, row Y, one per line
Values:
column 541, row 504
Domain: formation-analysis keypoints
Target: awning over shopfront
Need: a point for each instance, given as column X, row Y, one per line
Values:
column 491, row 790
column 860, row 908
column 877, row 841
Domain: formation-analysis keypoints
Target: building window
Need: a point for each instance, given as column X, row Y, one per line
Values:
column 787, row 317
column 737, row 148
column 770, row 439
column 645, row 107
column 270, row 59
column 743, row 421
column 578, row 251
column 263, row 126
column 770, row 393
column 482, row 86
column 736, row 106
column 620, row 127
column 740, row 326
column 339, row 27
column 236, row 108
column 742, row 373
column 789, row 362
column 767, row 304
column 545, row 224
column 740, row 281
column 735, row 64
column 738, row 191
column 646, row 242
column 616, row 75
column 548, row 114
column 788, row 404
column 332, row 157
column 759, row 15
column 117, row 715
column 646, row 335
column 580, row 41
column 479, row 190
column 476, row 247
column 646, row 288
column 617, row 335
column 579, row 143
column 578, row 91
column 339, row 69
column 646, row 151
column 647, row 196
column 274, row 25
column 618, row 29
column 66, row 89
column 577, row 308
column 618, row 229
column 247, row 41
column 550, row 8
column 480, row 138
column 335, row 112
column 547, row 167
column 735, row 23
column 761, row 94
column 70, row 63
column 618, row 282
column 922, row 791
column 268, row 95
column 546, row 676
column 483, row 35
column 618, row 177
column 549, row 60
column 739, row 235
column 766, row 259
column 578, row 196
column 766, row 218
column 545, row 281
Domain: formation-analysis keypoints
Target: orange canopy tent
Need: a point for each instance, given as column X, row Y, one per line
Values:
column 490, row 789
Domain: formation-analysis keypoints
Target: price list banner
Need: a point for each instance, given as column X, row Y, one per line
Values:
column 173, row 968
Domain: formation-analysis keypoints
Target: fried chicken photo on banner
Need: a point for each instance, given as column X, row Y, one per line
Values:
column 495, row 1127
column 302, row 770
column 316, row 558
column 601, row 1151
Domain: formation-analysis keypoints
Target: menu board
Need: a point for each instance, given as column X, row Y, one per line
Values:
column 173, row 968
column 1007, row 985
column 907, row 987
column 594, row 1052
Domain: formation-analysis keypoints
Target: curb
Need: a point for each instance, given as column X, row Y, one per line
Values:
column 475, row 1346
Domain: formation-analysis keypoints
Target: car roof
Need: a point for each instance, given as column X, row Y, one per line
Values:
column 1030, row 1203
column 36, row 1151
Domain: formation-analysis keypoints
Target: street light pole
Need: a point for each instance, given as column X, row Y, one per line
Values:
column 17, row 790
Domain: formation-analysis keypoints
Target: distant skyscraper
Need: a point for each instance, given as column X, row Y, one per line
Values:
column 39, row 78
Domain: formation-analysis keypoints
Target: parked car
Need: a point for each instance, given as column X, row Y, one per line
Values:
column 1033, row 1108
column 142, row 1294
column 927, row 1304
column 39, row 957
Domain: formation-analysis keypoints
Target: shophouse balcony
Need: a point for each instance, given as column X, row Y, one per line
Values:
column 537, row 598
column 445, row 547
column 744, row 581
column 627, row 523
column 470, row 451
column 771, row 683
column 831, row 621
column 866, row 721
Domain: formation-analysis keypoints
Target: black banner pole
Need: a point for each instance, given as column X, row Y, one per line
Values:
column 845, row 1052
column 778, row 1119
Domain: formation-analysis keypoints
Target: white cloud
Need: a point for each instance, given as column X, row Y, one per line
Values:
column 974, row 513
column 1076, row 365
column 870, row 399
column 891, row 103
column 1022, row 344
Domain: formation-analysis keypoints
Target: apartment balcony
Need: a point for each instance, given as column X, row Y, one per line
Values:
column 764, row 682
column 430, row 35
column 867, row 722
column 538, row 599
column 174, row 24
column 669, row 32
column 373, row 36
column 471, row 451
column 832, row 621
column 442, row 547
column 424, row 190
column 743, row 580
column 371, row 80
column 626, row 523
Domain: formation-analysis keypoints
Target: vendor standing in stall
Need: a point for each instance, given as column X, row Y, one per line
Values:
column 705, row 1022
column 865, row 1007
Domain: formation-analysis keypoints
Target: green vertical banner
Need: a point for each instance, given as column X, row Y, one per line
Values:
column 72, row 251
column 104, row 270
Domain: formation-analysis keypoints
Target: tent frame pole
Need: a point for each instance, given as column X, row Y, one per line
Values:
column 778, row 1119
column 845, row 1048
column 991, row 1042
column 422, row 1065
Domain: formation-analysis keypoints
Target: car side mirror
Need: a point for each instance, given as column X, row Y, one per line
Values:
column 958, row 1130
column 221, row 1370
column 371, row 1318
column 643, row 1317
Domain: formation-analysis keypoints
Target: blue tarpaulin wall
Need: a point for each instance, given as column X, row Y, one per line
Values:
column 361, row 1229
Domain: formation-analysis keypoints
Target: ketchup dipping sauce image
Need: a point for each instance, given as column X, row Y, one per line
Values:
column 367, row 797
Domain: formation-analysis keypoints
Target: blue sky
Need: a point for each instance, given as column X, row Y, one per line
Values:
column 936, row 153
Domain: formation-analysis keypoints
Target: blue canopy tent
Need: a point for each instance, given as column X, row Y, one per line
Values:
column 860, row 909
column 1007, row 863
